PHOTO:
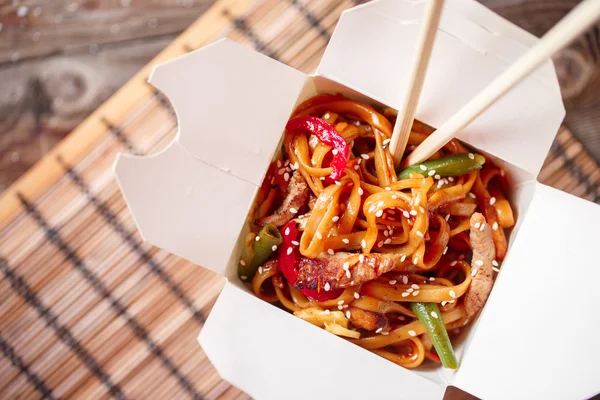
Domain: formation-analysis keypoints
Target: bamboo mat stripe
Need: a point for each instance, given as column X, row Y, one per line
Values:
column 87, row 309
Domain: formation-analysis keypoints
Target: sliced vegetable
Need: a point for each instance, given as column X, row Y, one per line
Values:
column 266, row 243
column 450, row 165
column 430, row 316
column 327, row 134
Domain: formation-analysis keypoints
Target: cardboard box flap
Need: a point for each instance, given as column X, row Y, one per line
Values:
column 168, row 198
column 473, row 46
column 232, row 105
column 271, row 355
column 539, row 328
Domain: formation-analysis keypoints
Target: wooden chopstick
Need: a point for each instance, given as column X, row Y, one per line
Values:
column 406, row 114
column 563, row 33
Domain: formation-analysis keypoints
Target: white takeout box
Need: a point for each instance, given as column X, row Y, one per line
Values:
column 537, row 335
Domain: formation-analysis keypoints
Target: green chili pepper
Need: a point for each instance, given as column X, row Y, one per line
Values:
column 451, row 165
column 268, row 239
column 431, row 318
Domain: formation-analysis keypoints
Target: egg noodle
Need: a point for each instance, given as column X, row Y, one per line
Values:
column 374, row 241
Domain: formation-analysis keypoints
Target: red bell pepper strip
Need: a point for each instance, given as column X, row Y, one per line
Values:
column 288, row 264
column 327, row 134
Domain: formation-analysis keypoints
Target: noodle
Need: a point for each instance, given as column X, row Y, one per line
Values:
column 369, row 244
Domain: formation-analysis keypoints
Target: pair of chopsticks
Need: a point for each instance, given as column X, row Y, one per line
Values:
column 563, row 33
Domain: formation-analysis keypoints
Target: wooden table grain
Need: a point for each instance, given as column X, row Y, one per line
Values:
column 61, row 59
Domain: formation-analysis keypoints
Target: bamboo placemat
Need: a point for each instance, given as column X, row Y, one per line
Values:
column 87, row 310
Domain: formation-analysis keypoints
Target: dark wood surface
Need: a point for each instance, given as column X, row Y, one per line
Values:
column 60, row 59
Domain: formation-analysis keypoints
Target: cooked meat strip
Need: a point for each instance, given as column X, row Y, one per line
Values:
column 295, row 199
column 330, row 268
column 484, row 253
column 368, row 320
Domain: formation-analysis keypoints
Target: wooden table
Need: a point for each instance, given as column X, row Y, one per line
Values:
column 61, row 59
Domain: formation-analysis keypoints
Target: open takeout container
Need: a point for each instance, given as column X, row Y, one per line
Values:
column 536, row 336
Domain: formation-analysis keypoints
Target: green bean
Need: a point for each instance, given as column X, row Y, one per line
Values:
column 451, row 165
column 431, row 318
column 268, row 239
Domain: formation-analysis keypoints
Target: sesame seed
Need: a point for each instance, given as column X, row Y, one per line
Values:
column 453, row 263
column 412, row 333
column 495, row 226
column 410, row 290
column 287, row 231
column 322, row 178
column 406, row 214
column 335, row 219
column 327, row 287
column 260, row 270
column 372, row 208
column 359, row 161
column 319, row 235
column 331, row 252
column 439, row 177
column 348, row 274
column 379, row 213
column 405, row 279
column 482, row 227
column 346, row 241
column 338, row 183
column 346, row 266
column 274, row 247
column 385, row 333
column 479, row 263
column 415, row 260
column 363, row 244
column 461, row 257
column 348, row 314
column 405, row 294
column 496, row 269
column 242, row 263
column 257, row 238
column 388, row 188
column 386, row 233
column 495, row 263
column 387, row 241
column 445, row 250
column 378, row 330
column 356, row 167
column 444, row 303
column 364, row 156
column 340, row 307
column 327, row 116
column 279, row 164
column 289, row 251
column 334, row 152
column 392, row 282
column 474, row 272
column 356, row 295
column 431, row 172
column 492, row 201
column 293, row 210
column 340, row 302
column 391, row 212
column 360, row 191
column 380, row 243
column 419, row 233
column 471, row 156
column 414, row 286
column 472, row 195
column 281, row 171
column 452, row 294
column 403, row 258
column 423, row 168
column 415, row 293
column 413, row 212
column 394, row 197
column 401, row 317
column 361, row 258
column 327, row 312
column 422, row 210
column 295, row 243
column 476, row 225
column 434, row 314
column 243, row 277
column 432, row 278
